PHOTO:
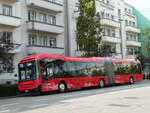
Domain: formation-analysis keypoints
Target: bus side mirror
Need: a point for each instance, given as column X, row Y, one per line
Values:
column 15, row 75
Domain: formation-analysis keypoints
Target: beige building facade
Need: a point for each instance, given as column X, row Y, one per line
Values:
column 119, row 25
column 49, row 26
column 37, row 26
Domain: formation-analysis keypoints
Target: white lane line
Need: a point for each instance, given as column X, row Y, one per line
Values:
column 44, row 99
column 6, row 105
column 66, row 95
column 84, row 93
column 39, row 105
column 5, row 111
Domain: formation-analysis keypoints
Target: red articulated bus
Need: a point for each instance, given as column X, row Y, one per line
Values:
column 48, row 72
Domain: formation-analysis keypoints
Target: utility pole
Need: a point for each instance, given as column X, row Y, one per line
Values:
column 66, row 28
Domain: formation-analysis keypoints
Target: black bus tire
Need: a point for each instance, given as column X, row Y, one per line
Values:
column 101, row 83
column 131, row 80
column 62, row 87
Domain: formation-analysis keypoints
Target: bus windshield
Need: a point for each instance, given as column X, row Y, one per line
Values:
column 27, row 71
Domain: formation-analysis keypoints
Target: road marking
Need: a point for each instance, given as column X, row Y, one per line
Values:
column 66, row 95
column 40, row 105
column 44, row 99
column 84, row 93
column 5, row 111
column 6, row 105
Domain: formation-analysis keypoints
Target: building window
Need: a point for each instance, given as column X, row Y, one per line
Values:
column 7, row 10
column 107, row 1
column 130, row 23
column 119, row 13
column 45, row 40
column 31, row 15
column 52, row 20
column 41, row 41
column 128, row 37
column 32, row 39
column 134, row 24
column 102, row 15
column 135, row 37
column 126, row 22
column 132, row 51
column 52, row 42
column 108, row 32
column 107, row 16
column 6, row 37
column 129, row 11
column 112, row 17
column 113, row 33
column 42, row 17
column 126, row 10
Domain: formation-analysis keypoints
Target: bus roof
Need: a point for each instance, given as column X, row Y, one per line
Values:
column 77, row 59
column 53, row 56
column 124, row 60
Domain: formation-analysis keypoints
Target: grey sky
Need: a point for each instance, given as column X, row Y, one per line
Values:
column 142, row 5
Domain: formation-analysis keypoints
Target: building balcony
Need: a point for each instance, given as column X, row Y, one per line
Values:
column 106, row 5
column 111, row 39
column 10, row 1
column 45, row 4
column 11, row 21
column 131, row 56
column 10, row 48
column 40, row 49
column 130, row 15
column 132, row 29
column 133, row 43
column 109, row 22
column 45, row 27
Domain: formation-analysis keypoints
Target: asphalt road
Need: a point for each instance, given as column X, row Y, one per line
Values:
column 116, row 99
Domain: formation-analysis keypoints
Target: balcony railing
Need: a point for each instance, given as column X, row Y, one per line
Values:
column 132, row 29
column 110, row 22
column 12, row 21
column 106, row 5
column 133, row 43
column 41, row 49
column 45, row 27
column 111, row 39
column 130, row 15
column 45, row 4
column 10, row 1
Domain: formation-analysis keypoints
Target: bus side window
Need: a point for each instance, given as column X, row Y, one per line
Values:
column 49, row 70
column 60, row 68
column 71, row 69
column 81, row 69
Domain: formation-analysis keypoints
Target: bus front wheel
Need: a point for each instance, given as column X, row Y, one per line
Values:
column 62, row 87
column 131, row 81
column 101, row 83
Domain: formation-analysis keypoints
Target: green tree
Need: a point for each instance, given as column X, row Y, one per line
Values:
column 88, row 28
column 146, row 33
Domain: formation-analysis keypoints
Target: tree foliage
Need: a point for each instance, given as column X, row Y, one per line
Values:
column 88, row 28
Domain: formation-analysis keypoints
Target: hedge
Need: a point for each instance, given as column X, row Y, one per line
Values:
column 8, row 90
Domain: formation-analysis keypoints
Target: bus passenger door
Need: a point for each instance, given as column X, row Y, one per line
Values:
column 109, row 71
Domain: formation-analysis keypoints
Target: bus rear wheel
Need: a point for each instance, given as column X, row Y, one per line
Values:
column 62, row 87
column 131, row 81
column 101, row 83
